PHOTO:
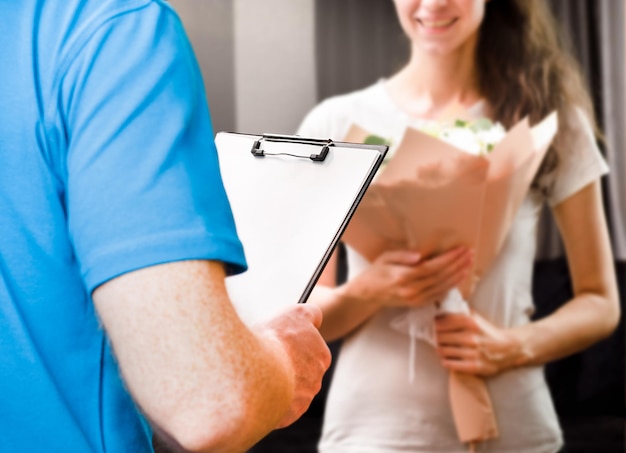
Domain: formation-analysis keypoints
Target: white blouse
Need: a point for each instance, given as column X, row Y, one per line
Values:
column 372, row 406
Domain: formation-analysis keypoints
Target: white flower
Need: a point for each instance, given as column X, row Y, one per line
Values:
column 462, row 138
column 477, row 137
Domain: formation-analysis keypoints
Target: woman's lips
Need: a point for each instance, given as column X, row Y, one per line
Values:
column 436, row 24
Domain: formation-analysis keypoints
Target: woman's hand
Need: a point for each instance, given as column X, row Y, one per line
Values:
column 404, row 279
column 470, row 344
column 398, row 278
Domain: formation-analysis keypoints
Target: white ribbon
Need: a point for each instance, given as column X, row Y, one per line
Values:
column 419, row 322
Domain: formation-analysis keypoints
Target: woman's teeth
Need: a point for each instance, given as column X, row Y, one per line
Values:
column 436, row 23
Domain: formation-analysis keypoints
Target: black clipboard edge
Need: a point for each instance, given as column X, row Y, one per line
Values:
column 318, row 272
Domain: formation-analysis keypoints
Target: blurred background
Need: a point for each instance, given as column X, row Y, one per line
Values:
column 258, row 60
column 266, row 63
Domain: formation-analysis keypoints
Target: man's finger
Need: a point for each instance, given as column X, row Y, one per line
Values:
column 314, row 313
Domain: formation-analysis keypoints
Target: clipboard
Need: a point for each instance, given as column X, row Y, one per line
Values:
column 292, row 198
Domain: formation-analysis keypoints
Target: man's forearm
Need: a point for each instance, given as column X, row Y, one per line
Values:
column 188, row 360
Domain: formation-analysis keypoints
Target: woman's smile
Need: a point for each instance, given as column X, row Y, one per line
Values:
column 436, row 25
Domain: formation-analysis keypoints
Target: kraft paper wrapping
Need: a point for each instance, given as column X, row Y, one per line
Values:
column 433, row 196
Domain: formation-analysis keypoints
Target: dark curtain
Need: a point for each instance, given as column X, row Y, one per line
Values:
column 357, row 42
column 588, row 388
column 596, row 32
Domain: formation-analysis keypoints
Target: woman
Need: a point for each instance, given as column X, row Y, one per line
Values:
column 492, row 58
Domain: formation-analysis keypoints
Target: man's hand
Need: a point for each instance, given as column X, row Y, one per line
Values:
column 198, row 373
column 307, row 355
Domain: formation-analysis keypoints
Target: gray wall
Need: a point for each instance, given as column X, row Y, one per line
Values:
column 257, row 59
column 209, row 24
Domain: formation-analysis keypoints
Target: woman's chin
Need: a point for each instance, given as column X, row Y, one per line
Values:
column 436, row 50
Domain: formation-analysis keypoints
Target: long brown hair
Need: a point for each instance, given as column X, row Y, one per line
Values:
column 526, row 68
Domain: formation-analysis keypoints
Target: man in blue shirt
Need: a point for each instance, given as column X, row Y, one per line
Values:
column 112, row 211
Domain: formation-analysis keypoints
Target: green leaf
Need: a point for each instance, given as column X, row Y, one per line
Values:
column 481, row 124
column 460, row 123
column 376, row 140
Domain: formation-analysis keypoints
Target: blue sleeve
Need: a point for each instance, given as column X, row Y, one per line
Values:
column 143, row 183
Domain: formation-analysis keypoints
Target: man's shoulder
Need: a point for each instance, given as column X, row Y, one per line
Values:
column 78, row 19
column 61, row 29
column 85, row 11
column 85, row 16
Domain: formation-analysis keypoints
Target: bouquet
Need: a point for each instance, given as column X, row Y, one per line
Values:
column 448, row 185
column 477, row 137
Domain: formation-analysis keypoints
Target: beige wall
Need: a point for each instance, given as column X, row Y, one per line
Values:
column 209, row 24
column 275, row 64
column 257, row 59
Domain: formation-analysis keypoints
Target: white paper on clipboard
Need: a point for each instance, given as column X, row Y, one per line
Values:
column 291, row 198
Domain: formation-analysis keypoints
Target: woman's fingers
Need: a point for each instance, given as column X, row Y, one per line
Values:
column 410, row 280
column 468, row 366
column 401, row 257
column 471, row 344
column 451, row 261
column 432, row 289
column 437, row 276
column 460, row 351
column 450, row 322
column 433, row 294
column 439, row 287
column 460, row 266
column 462, row 338
column 457, row 353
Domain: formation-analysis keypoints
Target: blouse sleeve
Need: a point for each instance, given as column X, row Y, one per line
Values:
column 580, row 161
column 330, row 118
column 316, row 122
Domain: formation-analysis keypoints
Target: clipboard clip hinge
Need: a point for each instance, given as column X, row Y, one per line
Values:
column 258, row 151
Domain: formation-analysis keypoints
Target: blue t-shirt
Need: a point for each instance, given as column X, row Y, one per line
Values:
column 107, row 165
